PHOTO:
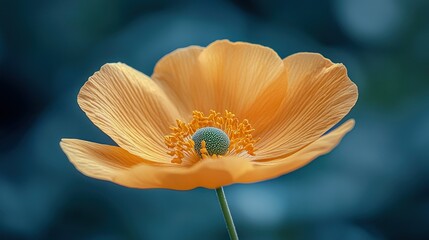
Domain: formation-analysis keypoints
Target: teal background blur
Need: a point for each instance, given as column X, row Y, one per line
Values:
column 374, row 185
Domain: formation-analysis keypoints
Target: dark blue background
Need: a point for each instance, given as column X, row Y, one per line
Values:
column 373, row 186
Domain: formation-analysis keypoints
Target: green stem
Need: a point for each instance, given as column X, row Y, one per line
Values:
column 226, row 214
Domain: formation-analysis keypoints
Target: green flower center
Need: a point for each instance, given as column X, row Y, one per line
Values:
column 217, row 142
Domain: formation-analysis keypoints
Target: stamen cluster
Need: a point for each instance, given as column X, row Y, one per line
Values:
column 181, row 146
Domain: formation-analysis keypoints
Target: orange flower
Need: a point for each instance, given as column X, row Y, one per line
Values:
column 209, row 117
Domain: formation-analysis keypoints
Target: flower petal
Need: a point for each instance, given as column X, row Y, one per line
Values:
column 267, row 105
column 208, row 173
column 268, row 170
column 175, row 73
column 234, row 74
column 97, row 160
column 131, row 108
column 319, row 95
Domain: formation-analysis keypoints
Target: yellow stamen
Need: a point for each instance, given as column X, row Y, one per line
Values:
column 181, row 145
column 203, row 151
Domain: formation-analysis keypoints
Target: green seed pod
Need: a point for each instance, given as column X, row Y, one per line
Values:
column 217, row 142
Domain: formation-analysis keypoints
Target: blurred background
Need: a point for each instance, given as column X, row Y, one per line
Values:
column 373, row 186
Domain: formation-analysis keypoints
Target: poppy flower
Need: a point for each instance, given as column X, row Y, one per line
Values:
column 212, row 116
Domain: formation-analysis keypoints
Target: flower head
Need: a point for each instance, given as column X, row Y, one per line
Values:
column 208, row 117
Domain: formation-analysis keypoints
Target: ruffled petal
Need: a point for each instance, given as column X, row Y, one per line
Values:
column 175, row 72
column 131, row 108
column 319, row 95
column 272, row 169
column 97, row 160
column 234, row 74
column 207, row 173
column 117, row 165
column 267, row 105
